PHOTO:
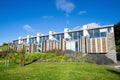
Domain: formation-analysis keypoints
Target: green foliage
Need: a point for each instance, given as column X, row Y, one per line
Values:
column 4, row 46
column 69, row 60
column 76, row 57
column 9, row 58
column 56, row 51
column 44, row 57
column 118, row 48
column 117, row 36
column 31, row 57
column 22, row 56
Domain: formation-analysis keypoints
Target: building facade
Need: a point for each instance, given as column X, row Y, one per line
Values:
column 86, row 40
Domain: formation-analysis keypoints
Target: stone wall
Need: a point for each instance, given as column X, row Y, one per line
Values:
column 111, row 47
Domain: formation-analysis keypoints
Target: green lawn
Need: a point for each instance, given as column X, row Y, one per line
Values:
column 57, row 71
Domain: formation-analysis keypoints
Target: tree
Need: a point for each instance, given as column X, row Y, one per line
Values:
column 22, row 55
column 4, row 46
column 117, row 36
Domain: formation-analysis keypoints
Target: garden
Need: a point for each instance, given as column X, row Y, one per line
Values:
column 53, row 65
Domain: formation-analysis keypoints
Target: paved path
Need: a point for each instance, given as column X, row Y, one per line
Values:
column 116, row 66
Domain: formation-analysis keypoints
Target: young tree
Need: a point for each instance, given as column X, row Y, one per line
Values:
column 22, row 55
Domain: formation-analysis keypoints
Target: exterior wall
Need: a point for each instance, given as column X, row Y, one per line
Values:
column 88, row 43
column 89, row 40
column 93, row 40
column 111, row 47
column 52, row 45
column 97, row 45
column 84, row 45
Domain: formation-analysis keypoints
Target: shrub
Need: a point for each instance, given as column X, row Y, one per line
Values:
column 56, row 51
column 49, row 60
column 62, row 60
column 43, row 57
column 69, row 60
column 32, row 57
column 12, row 57
column 3, row 53
column 75, row 57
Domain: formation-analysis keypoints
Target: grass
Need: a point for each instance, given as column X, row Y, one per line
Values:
column 58, row 71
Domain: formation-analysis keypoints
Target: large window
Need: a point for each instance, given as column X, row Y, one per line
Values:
column 79, row 34
column 62, row 35
column 41, row 39
column 57, row 36
column 76, row 35
column 109, row 29
column 103, row 34
column 46, row 37
column 94, row 33
column 32, row 40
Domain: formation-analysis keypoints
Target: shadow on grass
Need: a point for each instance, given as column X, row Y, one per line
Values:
column 114, row 72
column 30, row 62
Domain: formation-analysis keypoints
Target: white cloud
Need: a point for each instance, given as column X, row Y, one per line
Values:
column 64, row 5
column 93, row 25
column 82, row 12
column 77, row 27
column 28, row 28
column 47, row 17
column 89, row 25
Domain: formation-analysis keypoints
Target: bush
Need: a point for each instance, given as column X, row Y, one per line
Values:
column 32, row 57
column 56, row 51
column 75, row 57
column 12, row 57
column 69, row 60
column 2, row 61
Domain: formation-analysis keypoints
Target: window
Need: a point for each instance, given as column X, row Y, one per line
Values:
column 58, row 37
column 103, row 34
column 94, row 33
column 75, row 35
column 79, row 34
column 62, row 35
column 41, row 39
column 109, row 30
column 91, row 33
column 46, row 37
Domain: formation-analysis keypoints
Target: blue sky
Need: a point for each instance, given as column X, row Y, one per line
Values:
column 29, row 17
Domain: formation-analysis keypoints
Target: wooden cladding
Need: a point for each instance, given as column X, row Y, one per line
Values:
column 93, row 46
column 84, row 45
column 104, row 44
column 97, row 45
column 49, row 45
column 90, row 45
